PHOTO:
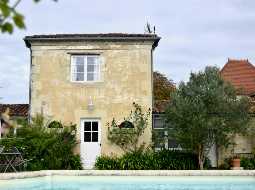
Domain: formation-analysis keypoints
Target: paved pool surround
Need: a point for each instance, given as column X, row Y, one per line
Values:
column 21, row 175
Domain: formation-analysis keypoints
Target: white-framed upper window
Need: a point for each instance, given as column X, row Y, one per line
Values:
column 85, row 68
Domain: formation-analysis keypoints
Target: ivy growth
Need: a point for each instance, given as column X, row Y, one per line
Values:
column 127, row 138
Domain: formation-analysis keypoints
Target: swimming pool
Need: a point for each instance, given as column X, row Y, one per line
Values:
column 56, row 182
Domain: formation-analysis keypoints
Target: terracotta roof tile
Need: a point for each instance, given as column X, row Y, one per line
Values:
column 15, row 109
column 241, row 74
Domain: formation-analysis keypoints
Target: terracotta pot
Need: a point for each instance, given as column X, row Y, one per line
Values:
column 236, row 162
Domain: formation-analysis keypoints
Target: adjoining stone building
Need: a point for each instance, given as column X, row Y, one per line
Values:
column 241, row 74
column 89, row 79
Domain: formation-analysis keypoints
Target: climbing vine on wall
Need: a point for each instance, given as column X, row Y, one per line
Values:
column 127, row 133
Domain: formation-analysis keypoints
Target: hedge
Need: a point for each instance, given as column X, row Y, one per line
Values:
column 162, row 160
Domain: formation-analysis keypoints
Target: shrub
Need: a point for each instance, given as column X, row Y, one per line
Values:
column 248, row 163
column 107, row 163
column 47, row 148
column 148, row 160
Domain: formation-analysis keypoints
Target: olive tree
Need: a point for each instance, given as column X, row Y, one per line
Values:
column 205, row 111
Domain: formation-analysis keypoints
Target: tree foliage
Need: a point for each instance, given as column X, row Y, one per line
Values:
column 128, row 138
column 10, row 17
column 206, row 110
column 162, row 86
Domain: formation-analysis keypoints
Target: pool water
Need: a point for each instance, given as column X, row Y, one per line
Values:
column 130, row 183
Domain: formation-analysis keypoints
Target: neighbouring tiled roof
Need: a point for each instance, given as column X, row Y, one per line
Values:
column 20, row 110
column 241, row 74
column 160, row 106
column 93, row 37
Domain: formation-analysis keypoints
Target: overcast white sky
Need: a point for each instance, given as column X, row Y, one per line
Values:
column 195, row 33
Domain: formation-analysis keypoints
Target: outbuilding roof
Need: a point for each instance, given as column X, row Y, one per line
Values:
column 93, row 37
column 19, row 110
column 241, row 74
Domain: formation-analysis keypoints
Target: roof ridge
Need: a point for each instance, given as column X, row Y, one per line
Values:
column 238, row 60
column 232, row 61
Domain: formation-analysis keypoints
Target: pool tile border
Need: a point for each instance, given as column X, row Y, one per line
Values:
column 21, row 175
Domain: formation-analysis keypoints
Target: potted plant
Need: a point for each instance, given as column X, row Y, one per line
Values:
column 236, row 161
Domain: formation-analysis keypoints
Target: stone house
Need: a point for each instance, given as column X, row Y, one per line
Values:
column 89, row 79
column 241, row 74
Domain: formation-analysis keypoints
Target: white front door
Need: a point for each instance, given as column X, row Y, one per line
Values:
column 90, row 142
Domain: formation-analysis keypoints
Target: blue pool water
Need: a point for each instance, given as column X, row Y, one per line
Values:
column 129, row 183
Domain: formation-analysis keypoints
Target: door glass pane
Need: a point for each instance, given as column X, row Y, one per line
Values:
column 87, row 126
column 94, row 136
column 94, row 126
column 87, row 137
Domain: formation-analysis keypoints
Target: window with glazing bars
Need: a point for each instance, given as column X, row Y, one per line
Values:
column 85, row 68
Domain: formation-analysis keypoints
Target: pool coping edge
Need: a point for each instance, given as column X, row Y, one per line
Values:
column 42, row 173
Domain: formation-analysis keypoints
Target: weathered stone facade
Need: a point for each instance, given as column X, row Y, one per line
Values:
column 126, row 77
column 242, row 146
